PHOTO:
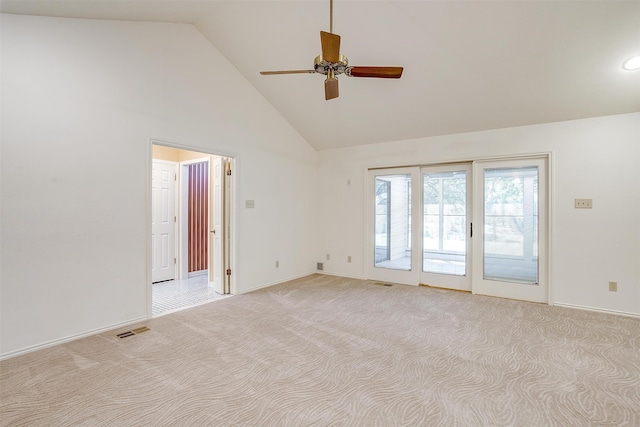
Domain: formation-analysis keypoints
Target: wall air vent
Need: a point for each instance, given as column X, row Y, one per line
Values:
column 320, row 266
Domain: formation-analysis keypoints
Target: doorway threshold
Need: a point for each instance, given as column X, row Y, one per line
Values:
column 175, row 295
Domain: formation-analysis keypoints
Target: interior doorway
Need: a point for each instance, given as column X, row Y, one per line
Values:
column 191, row 238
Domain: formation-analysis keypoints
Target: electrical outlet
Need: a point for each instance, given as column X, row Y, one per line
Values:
column 277, row 264
column 613, row 286
column 583, row 203
column 328, row 257
column 349, row 258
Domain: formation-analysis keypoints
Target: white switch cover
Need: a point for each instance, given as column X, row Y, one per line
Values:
column 250, row 204
column 583, row 203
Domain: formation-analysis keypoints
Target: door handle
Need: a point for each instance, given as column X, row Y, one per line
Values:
column 213, row 231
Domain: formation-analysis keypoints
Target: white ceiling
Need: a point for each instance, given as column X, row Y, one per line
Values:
column 468, row 65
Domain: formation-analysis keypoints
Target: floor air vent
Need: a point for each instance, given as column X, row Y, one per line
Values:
column 133, row 332
column 382, row 284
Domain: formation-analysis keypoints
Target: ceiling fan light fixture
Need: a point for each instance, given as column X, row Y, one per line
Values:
column 632, row 64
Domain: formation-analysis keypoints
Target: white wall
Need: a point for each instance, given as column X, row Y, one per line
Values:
column 80, row 101
column 594, row 158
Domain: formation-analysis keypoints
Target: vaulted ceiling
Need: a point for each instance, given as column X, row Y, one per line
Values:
column 468, row 65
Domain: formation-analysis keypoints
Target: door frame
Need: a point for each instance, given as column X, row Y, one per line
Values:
column 231, row 205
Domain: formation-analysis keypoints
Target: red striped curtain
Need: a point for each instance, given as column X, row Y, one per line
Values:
column 198, row 216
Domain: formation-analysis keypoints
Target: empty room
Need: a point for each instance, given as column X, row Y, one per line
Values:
column 417, row 213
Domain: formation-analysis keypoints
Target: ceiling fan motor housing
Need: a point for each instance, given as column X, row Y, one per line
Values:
column 325, row 67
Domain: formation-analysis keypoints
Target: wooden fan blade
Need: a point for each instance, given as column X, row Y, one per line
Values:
column 270, row 73
column 330, row 88
column 379, row 72
column 330, row 46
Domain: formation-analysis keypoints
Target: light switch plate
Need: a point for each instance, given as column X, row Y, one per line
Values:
column 250, row 204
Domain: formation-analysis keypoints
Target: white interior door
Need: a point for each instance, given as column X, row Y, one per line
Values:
column 510, row 238
column 163, row 225
column 227, row 221
column 217, row 232
column 393, row 221
column 446, row 226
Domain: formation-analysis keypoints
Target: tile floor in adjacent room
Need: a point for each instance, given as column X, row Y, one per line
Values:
column 174, row 295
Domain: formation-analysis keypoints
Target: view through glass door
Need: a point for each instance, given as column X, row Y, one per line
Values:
column 393, row 225
column 446, row 225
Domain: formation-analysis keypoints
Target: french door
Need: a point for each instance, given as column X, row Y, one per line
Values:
column 393, row 225
column 446, row 226
column 510, row 242
column 480, row 227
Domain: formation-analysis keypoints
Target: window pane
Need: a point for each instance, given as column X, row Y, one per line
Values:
column 382, row 220
column 392, row 222
column 511, row 224
column 444, row 237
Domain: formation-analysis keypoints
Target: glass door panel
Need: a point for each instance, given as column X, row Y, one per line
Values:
column 382, row 221
column 445, row 220
column 512, row 238
column 511, row 224
column 393, row 221
column 446, row 226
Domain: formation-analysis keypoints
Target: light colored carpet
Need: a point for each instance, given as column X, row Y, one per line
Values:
column 327, row 351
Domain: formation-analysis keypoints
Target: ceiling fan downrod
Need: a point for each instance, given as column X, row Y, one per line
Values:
column 331, row 16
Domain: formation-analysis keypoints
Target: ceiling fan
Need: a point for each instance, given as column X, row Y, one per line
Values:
column 331, row 63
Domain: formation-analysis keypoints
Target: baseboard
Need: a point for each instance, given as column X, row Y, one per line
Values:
column 599, row 310
column 197, row 273
column 69, row 338
column 277, row 282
